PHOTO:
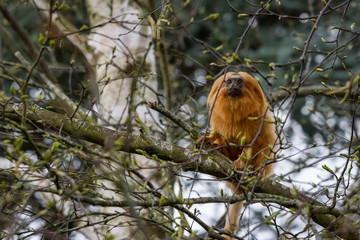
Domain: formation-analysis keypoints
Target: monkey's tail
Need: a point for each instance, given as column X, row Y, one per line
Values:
column 232, row 218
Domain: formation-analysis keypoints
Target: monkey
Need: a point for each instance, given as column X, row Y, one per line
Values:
column 242, row 128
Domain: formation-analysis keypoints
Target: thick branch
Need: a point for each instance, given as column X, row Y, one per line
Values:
column 213, row 164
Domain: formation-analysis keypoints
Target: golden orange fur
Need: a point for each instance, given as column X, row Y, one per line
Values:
column 234, row 118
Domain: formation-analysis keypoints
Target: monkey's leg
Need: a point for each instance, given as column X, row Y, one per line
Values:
column 240, row 163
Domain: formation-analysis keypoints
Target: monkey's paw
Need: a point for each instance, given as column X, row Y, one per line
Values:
column 207, row 143
column 199, row 141
column 238, row 165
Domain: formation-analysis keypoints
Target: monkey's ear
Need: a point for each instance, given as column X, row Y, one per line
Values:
column 257, row 91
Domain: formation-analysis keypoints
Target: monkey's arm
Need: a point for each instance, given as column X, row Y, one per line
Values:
column 214, row 139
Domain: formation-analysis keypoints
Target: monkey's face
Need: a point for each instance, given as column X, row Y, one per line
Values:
column 237, row 95
column 240, row 87
column 234, row 84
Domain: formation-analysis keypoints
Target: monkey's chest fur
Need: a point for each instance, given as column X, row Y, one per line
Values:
column 234, row 135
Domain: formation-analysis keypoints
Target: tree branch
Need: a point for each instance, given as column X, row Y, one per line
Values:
column 213, row 164
column 318, row 90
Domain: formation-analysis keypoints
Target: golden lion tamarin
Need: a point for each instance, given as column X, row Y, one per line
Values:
column 241, row 128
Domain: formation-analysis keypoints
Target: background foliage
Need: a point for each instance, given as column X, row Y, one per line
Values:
column 68, row 172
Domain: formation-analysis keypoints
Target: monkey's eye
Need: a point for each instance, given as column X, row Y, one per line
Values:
column 228, row 81
column 239, row 81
